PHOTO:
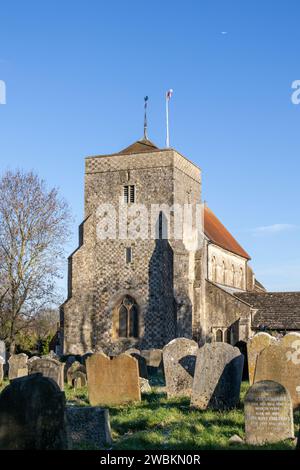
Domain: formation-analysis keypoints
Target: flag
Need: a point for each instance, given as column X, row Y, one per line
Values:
column 169, row 94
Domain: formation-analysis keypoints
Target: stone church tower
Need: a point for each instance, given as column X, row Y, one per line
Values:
column 140, row 292
column 144, row 287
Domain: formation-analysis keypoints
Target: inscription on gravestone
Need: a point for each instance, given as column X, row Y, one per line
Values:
column 268, row 413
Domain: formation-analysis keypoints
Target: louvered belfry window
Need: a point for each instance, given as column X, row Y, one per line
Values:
column 129, row 193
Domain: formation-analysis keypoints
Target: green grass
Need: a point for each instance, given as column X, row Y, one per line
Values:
column 158, row 423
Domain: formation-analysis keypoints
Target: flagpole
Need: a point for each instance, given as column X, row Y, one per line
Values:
column 167, row 122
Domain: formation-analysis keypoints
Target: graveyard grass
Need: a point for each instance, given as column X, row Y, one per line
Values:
column 157, row 423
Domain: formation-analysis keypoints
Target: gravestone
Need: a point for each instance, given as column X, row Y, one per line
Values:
column 153, row 358
column 268, row 413
column 289, row 339
column 31, row 359
column 74, row 367
column 218, row 376
column 69, row 361
column 143, row 372
column 32, row 415
column 51, row 355
column 145, row 385
column 88, row 425
column 112, row 381
column 255, row 345
column 17, row 366
column 3, row 351
column 48, row 368
column 280, row 362
column 179, row 358
column 132, row 350
column 79, row 379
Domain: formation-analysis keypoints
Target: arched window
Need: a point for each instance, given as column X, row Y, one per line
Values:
column 219, row 336
column 128, row 318
column 232, row 275
column 223, row 273
column 213, row 269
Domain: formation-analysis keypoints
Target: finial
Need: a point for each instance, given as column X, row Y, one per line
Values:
column 145, row 117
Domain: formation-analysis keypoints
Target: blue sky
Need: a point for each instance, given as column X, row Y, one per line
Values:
column 76, row 73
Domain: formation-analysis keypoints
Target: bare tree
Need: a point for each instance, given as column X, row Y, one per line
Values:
column 34, row 225
column 45, row 323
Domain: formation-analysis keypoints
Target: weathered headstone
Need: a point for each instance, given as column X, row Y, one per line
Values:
column 48, row 368
column 51, row 355
column 143, row 372
column 280, row 362
column 218, row 376
column 268, row 413
column 153, row 357
column 79, row 379
column 32, row 358
column 289, row 339
column 179, row 358
column 255, row 345
column 32, row 415
column 17, row 366
column 132, row 350
column 2, row 351
column 88, row 426
column 112, row 381
column 144, row 385
column 74, row 367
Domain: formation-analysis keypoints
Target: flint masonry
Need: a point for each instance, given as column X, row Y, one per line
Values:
column 144, row 292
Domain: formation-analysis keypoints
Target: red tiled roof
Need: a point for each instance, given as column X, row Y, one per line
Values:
column 219, row 235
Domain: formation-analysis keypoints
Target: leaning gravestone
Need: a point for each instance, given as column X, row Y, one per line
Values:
column 48, row 368
column 280, row 362
column 75, row 366
column 268, row 413
column 112, row 381
column 143, row 372
column 2, row 351
column 88, row 425
column 153, row 358
column 218, row 376
column 255, row 345
column 79, row 379
column 32, row 415
column 179, row 358
column 17, row 366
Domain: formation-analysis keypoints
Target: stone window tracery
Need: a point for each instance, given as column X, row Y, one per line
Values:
column 128, row 321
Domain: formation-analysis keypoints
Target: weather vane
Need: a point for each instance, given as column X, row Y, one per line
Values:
column 145, row 117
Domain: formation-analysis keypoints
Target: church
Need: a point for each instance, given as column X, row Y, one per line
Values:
column 145, row 291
